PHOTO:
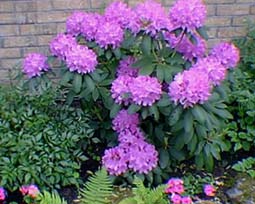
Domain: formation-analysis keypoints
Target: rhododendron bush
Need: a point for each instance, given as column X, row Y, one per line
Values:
column 147, row 70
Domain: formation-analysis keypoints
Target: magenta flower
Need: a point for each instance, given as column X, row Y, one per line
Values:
column 124, row 121
column 188, row 14
column 209, row 190
column 35, row 64
column 89, row 25
column 151, row 16
column 213, row 68
column 2, row 194
column 30, row 190
column 61, row 45
column 145, row 90
column 143, row 157
column 190, row 87
column 227, row 53
column 127, row 137
column 183, row 45
column 81, row 59
column 125, row 67
column 187, row 200
column 115, row 160
column 74, row 22
column 120, row 89
column 175, row 185
column 109, row 34
column 176, row 199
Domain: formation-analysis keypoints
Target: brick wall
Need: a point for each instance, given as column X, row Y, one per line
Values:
column 28, row 25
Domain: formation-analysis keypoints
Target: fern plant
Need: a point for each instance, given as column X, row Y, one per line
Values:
column 50, row 198
column 143, row 195
column 98, row 189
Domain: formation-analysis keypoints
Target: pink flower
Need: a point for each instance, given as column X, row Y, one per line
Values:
column 2, row 194
column 125, row 67
column 209, row 190
column 124, row 121
column 35, row 64
column 89, row 25
column 187, row 200
column 81, row 59
column 189, row 14
column 227, row 53
column 175, row 185
column 176, row 199
column 73, row 23
column 128, row 137
column 145, row 90
column 30, row 190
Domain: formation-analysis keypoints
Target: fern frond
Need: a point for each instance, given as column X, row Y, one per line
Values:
column 50, row 198
column 97, row 189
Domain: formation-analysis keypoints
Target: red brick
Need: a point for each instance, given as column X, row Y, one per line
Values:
column 44, row 5
column 218, row 21
column 211, row 10
column 233, row 9
column 7, row 18
column 44, row 39
column 230, row 32
column 56, row 16
column 25, row 6
column 6, row 6
column 212, row 32
column 219, row 1
column 61, row 27
column 242, row 20
column 10, row 53
column 9, row 30
column 71, row 4
column 19, row 41
column 10, row 63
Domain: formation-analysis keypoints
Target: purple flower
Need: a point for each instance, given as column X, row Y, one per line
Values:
column 190, row 87
column 61, row 44
column 74, row 22
column 120, row 89
column 143, row 157
column 109, row 34
column 187, row 200
column 34, row 64
column 145, row 90
column 213, row 68
column 124, row 120
column 2, row 194
column 127, row 137
column 176, row 199
column 189, row 14
column 89, row 25
column 183, row 45
column 227, row 53
column 30, row 190
column 151, row 17
column 125, row 67
column 115, row 160
column 81, row 59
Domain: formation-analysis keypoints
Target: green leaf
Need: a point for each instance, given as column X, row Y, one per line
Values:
column 188, row 121
column 133, row 108
column 203, row 33
column 163, row 158
column 175, row 115
column 199, row 160
column 117, row 53
column 147, row 70
column 154, row 111
column 90, row 83
column 160, row 73
column 66, row 78
column 199, row 114
column 114, row 110
column 146, row 45
column 77, row 83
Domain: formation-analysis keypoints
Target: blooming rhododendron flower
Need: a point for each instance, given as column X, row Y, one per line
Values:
column 175, row 185
column 125, row 67
column 189, row 14
column 190, row 87
column 130, row 136
column 120, row 89
column 143, row 157
column 109, row 34
column 227, row 53
column 187, row 200
column 115, row 160
column 209, row 190
column 34, row 64
column 176, row 199
column 89, row 25
column 213, row 68
column 183, row 45
column 124, row 120
column 30, row 190
column 61, row 44
column 151, row 17
column 74, row 22
column 2, row 194
column 81, row 59
column 145, row 90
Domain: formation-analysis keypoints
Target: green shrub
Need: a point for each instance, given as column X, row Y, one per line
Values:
column 40, row 141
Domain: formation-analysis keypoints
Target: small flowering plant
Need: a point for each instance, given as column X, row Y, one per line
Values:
column 30, row 193
column 147, row 70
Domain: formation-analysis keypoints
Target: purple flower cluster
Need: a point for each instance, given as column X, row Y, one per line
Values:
column 188, row 14
column 89, row 25
column 61, row 45
column 142, row 90
column 35, row 64
column 151, row 17
column 2, row 194
column 74, row 23
column 183, row 45
column 125, row 67
column 190, row 87
column 133, row 152
column 227, row 53
column 81, row 59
